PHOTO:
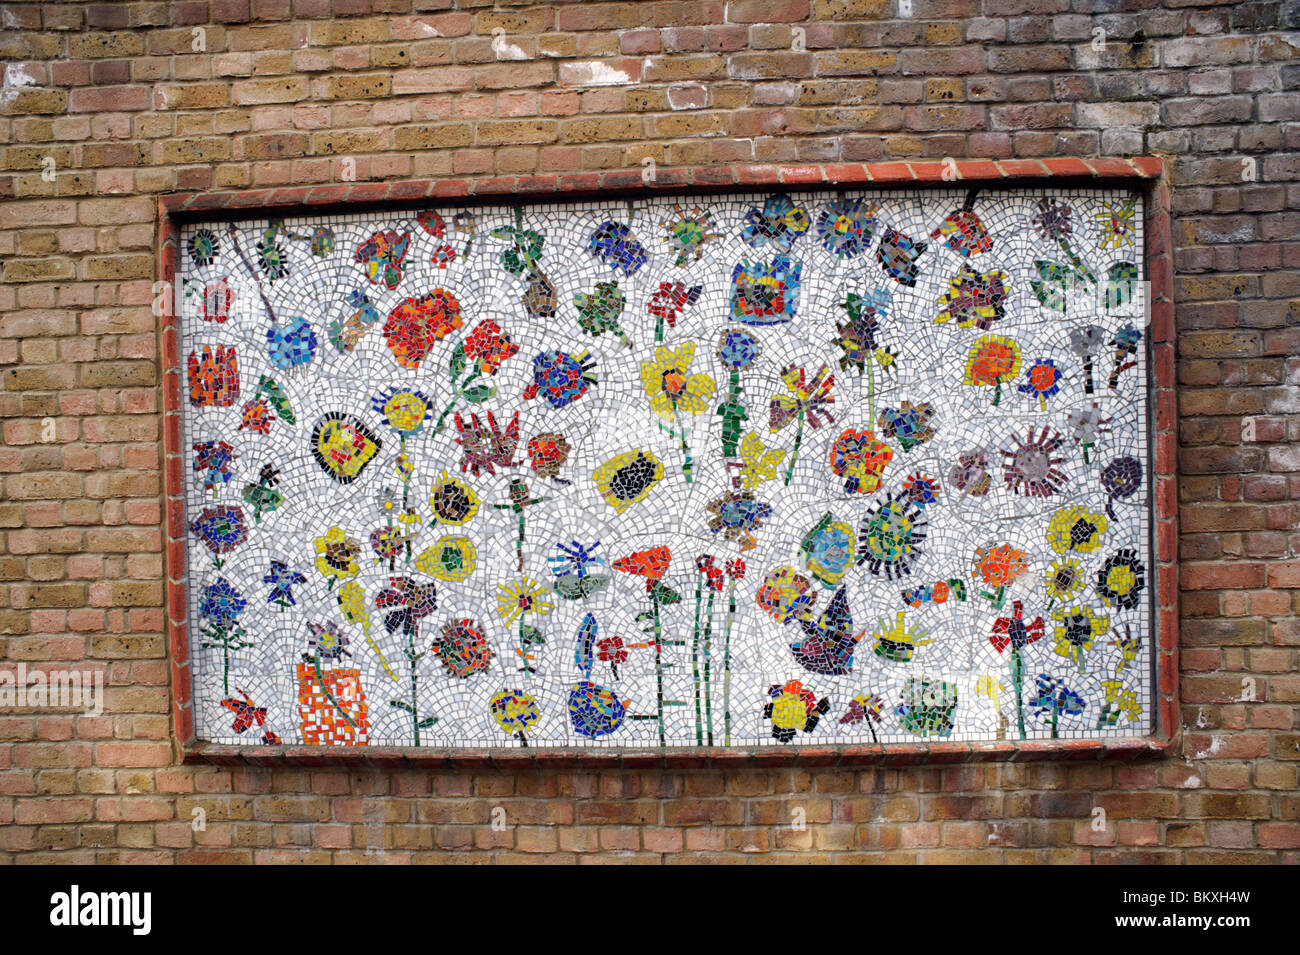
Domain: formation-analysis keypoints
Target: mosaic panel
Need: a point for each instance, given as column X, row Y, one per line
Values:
column 743, row 470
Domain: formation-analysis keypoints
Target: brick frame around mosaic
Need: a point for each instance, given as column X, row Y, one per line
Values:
column 1144, row 175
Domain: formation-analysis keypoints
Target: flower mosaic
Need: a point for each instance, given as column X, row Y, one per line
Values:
column 765, row 469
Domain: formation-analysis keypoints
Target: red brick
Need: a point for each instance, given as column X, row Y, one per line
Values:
column 767, row 11
column 1222, row 576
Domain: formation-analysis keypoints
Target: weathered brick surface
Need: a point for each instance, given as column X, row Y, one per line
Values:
column 130, row 101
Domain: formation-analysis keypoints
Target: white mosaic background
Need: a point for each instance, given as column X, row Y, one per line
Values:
column 615, row 416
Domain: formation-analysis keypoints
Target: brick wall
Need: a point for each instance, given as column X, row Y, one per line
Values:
column 105, row 107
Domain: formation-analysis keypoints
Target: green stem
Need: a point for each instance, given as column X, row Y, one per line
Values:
column 534, row 270
column 519, row 542
column 523, row 649
column 234, row 238
column 708, row 692
column 998, row 597
column 732, row 416
column 1017, row 677
column 687, row 465
column 320, row 678
column 997, row 390
column 391, row 557
column 726, row 667
column 659, row 669
column 415, row 713
column 442, row 418
column 460, row 393
column 407, row 536
column 695, row 667
column 871, row 391
column 794, row 455
column 225, row 668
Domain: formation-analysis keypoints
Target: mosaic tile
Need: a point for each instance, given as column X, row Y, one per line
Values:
column 743, row 470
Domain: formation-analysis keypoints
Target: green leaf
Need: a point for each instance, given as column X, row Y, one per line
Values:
column 458, row 361
column 1080, row 273
column 580, row 588
column 1120, row 283
column 665, row 595
column 806, row 545
column 531, row 637
column 1049, row 296
column 532, row 243
column 427, row 722
column 570, row 588
column 1054, row 272
column 511, row 262
column 275, row 394
column 503, row 232
column 478, row 394
column 401, row 705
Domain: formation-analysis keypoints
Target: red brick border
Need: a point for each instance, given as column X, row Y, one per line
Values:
column 712, row 178
column 1143, row 172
